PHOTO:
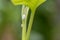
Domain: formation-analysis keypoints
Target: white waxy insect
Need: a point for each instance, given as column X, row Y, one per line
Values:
column 21, row 25
column 23, row 16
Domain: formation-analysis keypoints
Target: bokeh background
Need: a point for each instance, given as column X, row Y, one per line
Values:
column 46, row 25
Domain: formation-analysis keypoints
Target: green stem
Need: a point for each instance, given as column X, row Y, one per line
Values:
column 24, row 21
column 25, row 36
column 30, row 25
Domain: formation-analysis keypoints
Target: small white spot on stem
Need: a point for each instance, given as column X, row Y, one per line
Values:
column 23, row 16
column 21, row 25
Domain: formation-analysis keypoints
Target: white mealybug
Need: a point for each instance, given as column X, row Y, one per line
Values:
column 23, row 16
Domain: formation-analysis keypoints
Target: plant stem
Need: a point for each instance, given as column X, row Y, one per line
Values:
column 30, row 25
column 24, row 21
column 25, row 36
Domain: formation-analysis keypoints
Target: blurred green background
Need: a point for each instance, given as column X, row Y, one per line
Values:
column 46, row 25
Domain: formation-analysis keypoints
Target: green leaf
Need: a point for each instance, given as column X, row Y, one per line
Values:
column 32, row 4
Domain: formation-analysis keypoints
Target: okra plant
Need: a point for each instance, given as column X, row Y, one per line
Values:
column 26, row 5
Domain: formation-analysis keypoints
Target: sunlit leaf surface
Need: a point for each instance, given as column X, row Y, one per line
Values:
column 33, row 4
